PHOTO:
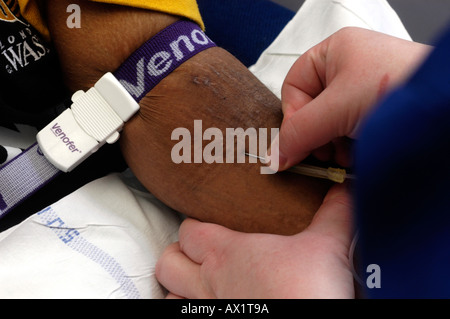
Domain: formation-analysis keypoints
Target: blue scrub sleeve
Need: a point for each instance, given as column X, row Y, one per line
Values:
column 403, row 189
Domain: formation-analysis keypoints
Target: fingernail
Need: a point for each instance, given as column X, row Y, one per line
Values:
column 274, row 157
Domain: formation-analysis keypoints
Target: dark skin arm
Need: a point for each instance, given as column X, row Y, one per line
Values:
column 213, row 87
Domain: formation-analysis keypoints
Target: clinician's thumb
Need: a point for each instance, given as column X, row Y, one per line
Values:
column 335, row 216
column 307, row 129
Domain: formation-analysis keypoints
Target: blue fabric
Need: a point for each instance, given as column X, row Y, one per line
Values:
column 403, row 188
column 245, row 28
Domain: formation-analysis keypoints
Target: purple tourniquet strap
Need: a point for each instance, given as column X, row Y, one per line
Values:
column 23, row 176
column 141, row 72
column 161, row 55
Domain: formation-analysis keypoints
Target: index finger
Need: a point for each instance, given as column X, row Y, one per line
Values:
column 304, row 81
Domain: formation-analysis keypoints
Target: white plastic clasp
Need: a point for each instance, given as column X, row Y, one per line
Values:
column 96, row 117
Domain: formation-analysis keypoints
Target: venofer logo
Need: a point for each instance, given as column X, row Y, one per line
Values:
column 159, row 56
column 59, row 133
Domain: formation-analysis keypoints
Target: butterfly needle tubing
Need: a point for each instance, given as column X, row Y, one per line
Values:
column 337, row 175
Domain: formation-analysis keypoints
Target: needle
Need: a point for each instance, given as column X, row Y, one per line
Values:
column 337, row 175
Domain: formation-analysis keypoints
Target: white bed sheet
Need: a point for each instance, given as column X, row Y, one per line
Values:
column 314, row 22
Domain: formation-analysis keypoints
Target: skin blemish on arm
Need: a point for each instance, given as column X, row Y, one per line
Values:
column 383, row 86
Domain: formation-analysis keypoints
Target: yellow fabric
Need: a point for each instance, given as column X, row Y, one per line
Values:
column 30, row 10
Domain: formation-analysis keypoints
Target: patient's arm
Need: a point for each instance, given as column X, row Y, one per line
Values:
column 213, row 87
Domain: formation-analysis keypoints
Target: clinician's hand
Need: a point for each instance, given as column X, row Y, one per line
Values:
column 211, row 261
column 331, row 88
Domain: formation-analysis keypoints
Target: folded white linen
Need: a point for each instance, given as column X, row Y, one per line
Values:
column 102, row 241
column 314, row 22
